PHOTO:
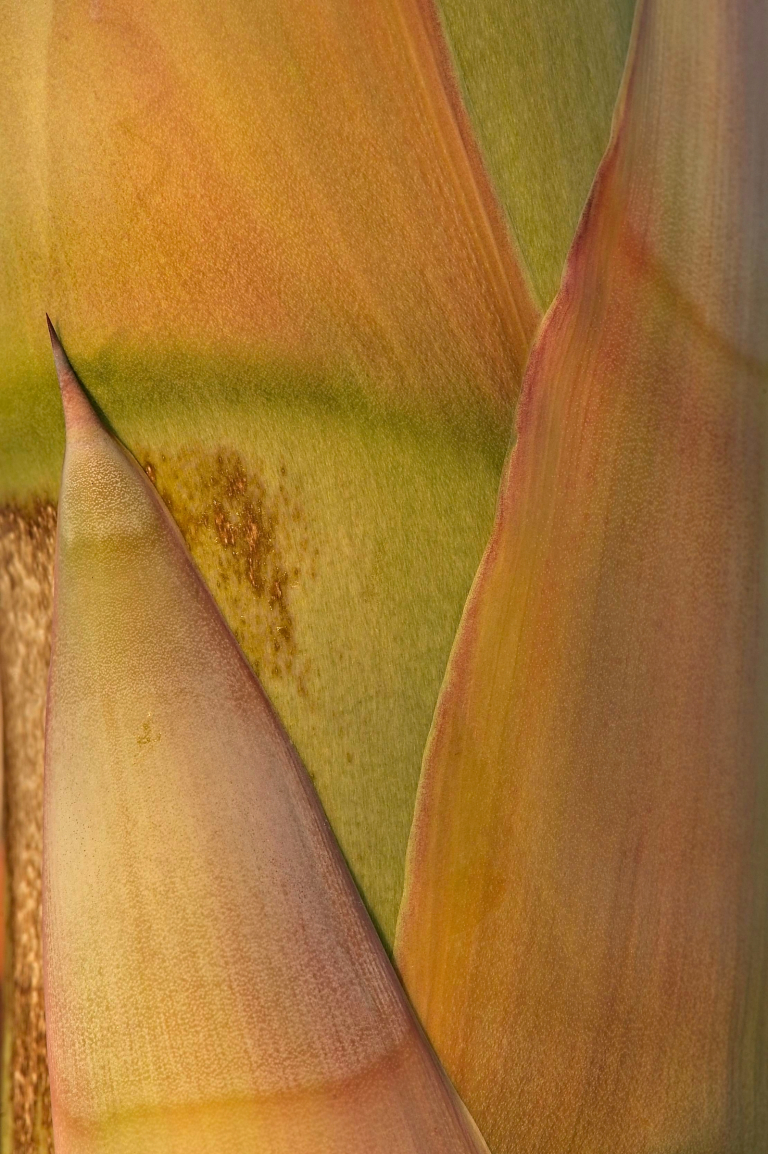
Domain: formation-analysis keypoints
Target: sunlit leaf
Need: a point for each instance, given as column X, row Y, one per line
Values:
column 213, row 984
column 584, row 933
column 288, row 184
column 265, row 236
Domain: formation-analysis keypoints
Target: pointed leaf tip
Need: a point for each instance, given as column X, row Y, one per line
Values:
column 78, row 413
column 584, row 931
column 212, row 981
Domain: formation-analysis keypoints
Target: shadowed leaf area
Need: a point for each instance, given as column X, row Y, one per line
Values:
column 540, row 79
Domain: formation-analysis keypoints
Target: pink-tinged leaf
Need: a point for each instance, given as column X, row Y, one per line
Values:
column 213, row 984
column 584, row 930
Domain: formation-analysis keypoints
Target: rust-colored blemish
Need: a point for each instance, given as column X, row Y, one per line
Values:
column 26, row 600
column 250, row 542
column 147, row 734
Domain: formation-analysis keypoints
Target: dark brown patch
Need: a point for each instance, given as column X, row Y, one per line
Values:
column 250, row 543
column 26, row 598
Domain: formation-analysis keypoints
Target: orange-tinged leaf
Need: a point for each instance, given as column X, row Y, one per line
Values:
column 292, row 183
column 265, row 235
column 584, row 930
column 212, row 981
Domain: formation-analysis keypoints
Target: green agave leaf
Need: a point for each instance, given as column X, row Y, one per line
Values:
column 278, row 264
column 212, row 981
column 584, row 932
column 540, row 81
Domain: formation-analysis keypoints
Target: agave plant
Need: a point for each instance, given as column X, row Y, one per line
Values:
column 298, row 256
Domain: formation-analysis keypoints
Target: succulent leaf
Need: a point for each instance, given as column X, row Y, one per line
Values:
column 584, row 931
column 268, row 241
column 289, row 185
column 541, row 80
column 212, row 981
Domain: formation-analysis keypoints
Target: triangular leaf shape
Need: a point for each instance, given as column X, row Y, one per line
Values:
column 213, row 984
column 541, row 79
column 272, row 250
column 584, row 932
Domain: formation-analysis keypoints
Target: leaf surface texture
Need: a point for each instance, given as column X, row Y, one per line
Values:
column 212, row 981
column 584, row 930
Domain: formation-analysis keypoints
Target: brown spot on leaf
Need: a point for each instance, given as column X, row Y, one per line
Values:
column 249, row 540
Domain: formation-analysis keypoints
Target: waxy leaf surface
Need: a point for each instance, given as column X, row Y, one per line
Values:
column 584, row 930
column 266, row 238
column 213, row 984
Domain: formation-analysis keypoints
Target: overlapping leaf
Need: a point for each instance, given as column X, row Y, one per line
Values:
column 267, row 240
column 584, row 931
column 212, row 981
column 541, row 80
column 288, row 184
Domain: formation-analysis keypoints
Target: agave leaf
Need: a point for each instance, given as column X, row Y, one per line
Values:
column 212, row 980
column 276, row 260
column 291, row 185
column 541, row 80
column 584, row 929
